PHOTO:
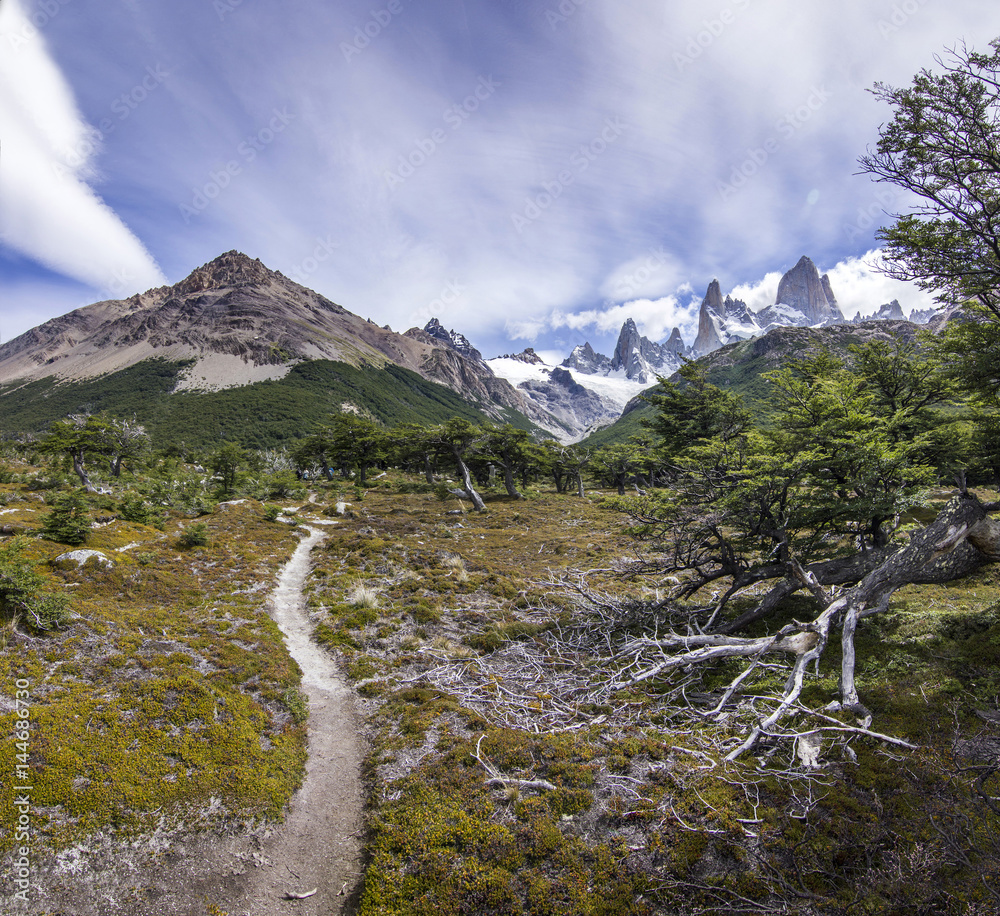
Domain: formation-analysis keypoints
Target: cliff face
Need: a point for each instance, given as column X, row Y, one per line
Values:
column 804, row 290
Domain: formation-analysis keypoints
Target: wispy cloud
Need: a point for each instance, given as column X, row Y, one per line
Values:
column 487, row 164
column 50, row 212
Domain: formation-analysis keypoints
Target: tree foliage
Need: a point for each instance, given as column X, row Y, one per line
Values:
column 813, row 502
column 943, row 145
column 25, row 597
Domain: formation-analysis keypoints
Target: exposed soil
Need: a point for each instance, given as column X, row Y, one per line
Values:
column 318, row 847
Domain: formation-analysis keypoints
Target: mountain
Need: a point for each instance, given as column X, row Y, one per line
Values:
column 641, row 360
column 806, row 292
column 457, row 342
column 740, row 366
column 584, row 359
column 580, row 409
column 804, row 299
column 720, row 322
column 234, row 323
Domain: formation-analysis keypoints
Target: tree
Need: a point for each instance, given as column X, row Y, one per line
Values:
column 510, row 448
column 75, row 437
column 943, row 145
column 24, row 594
column 347, row 441
column 121, row 440
column 80, row 436
column 68, row 522
column 411, row 442
column 227, row 462
column 693, row 410
column 456, row 439
column 811, row 503
column 567, row 463
column 623, row 462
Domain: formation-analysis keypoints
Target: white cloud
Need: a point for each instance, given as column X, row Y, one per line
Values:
column 859, row 287
column 760, row 293
column 50, row 213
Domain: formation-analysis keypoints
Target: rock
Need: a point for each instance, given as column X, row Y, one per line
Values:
column 454, row 340
column 721, row 322
column 584, row 359
column 640, row 358
column 802, row 289
column 82, row 557
column 527, row 356
column 890, row 311
column 675, row 343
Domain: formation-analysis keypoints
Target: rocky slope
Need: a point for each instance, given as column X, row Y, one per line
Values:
column 240, row 323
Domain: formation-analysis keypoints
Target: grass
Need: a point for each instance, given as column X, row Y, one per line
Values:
column 499, row 782
column 170, row 697
column 631, row 823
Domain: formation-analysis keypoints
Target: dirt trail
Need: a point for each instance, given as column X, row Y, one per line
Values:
column 319, row 844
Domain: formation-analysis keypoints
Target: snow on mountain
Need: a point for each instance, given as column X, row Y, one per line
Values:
column 615, row 386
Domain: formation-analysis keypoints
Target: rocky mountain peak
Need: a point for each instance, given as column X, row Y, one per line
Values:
column 891, row 311
column 527, row 356
column 675, row 343
column 585, row 359
column 228, row 271
column 452, row 339
column 802, row 289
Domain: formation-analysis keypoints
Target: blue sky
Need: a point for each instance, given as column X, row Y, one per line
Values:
column 530, row 173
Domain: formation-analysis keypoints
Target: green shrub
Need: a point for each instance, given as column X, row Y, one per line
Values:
column 133, row 508
column 24, row 596
column 271, row 512
column 195, row 535
column 68, row 522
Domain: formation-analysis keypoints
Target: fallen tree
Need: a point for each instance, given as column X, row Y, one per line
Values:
column 820, row 502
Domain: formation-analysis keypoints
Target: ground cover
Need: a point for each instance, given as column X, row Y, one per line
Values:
column 167, row 704
column 512, row 774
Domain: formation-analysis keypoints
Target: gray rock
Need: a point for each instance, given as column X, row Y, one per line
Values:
column 80, row 558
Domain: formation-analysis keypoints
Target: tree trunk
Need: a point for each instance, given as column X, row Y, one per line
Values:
column 470, row 490
column 579, row 484
column 508, row 482
column 81, row 472
column 428, row 469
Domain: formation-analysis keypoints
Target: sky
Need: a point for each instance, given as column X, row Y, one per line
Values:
column 529, row 172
